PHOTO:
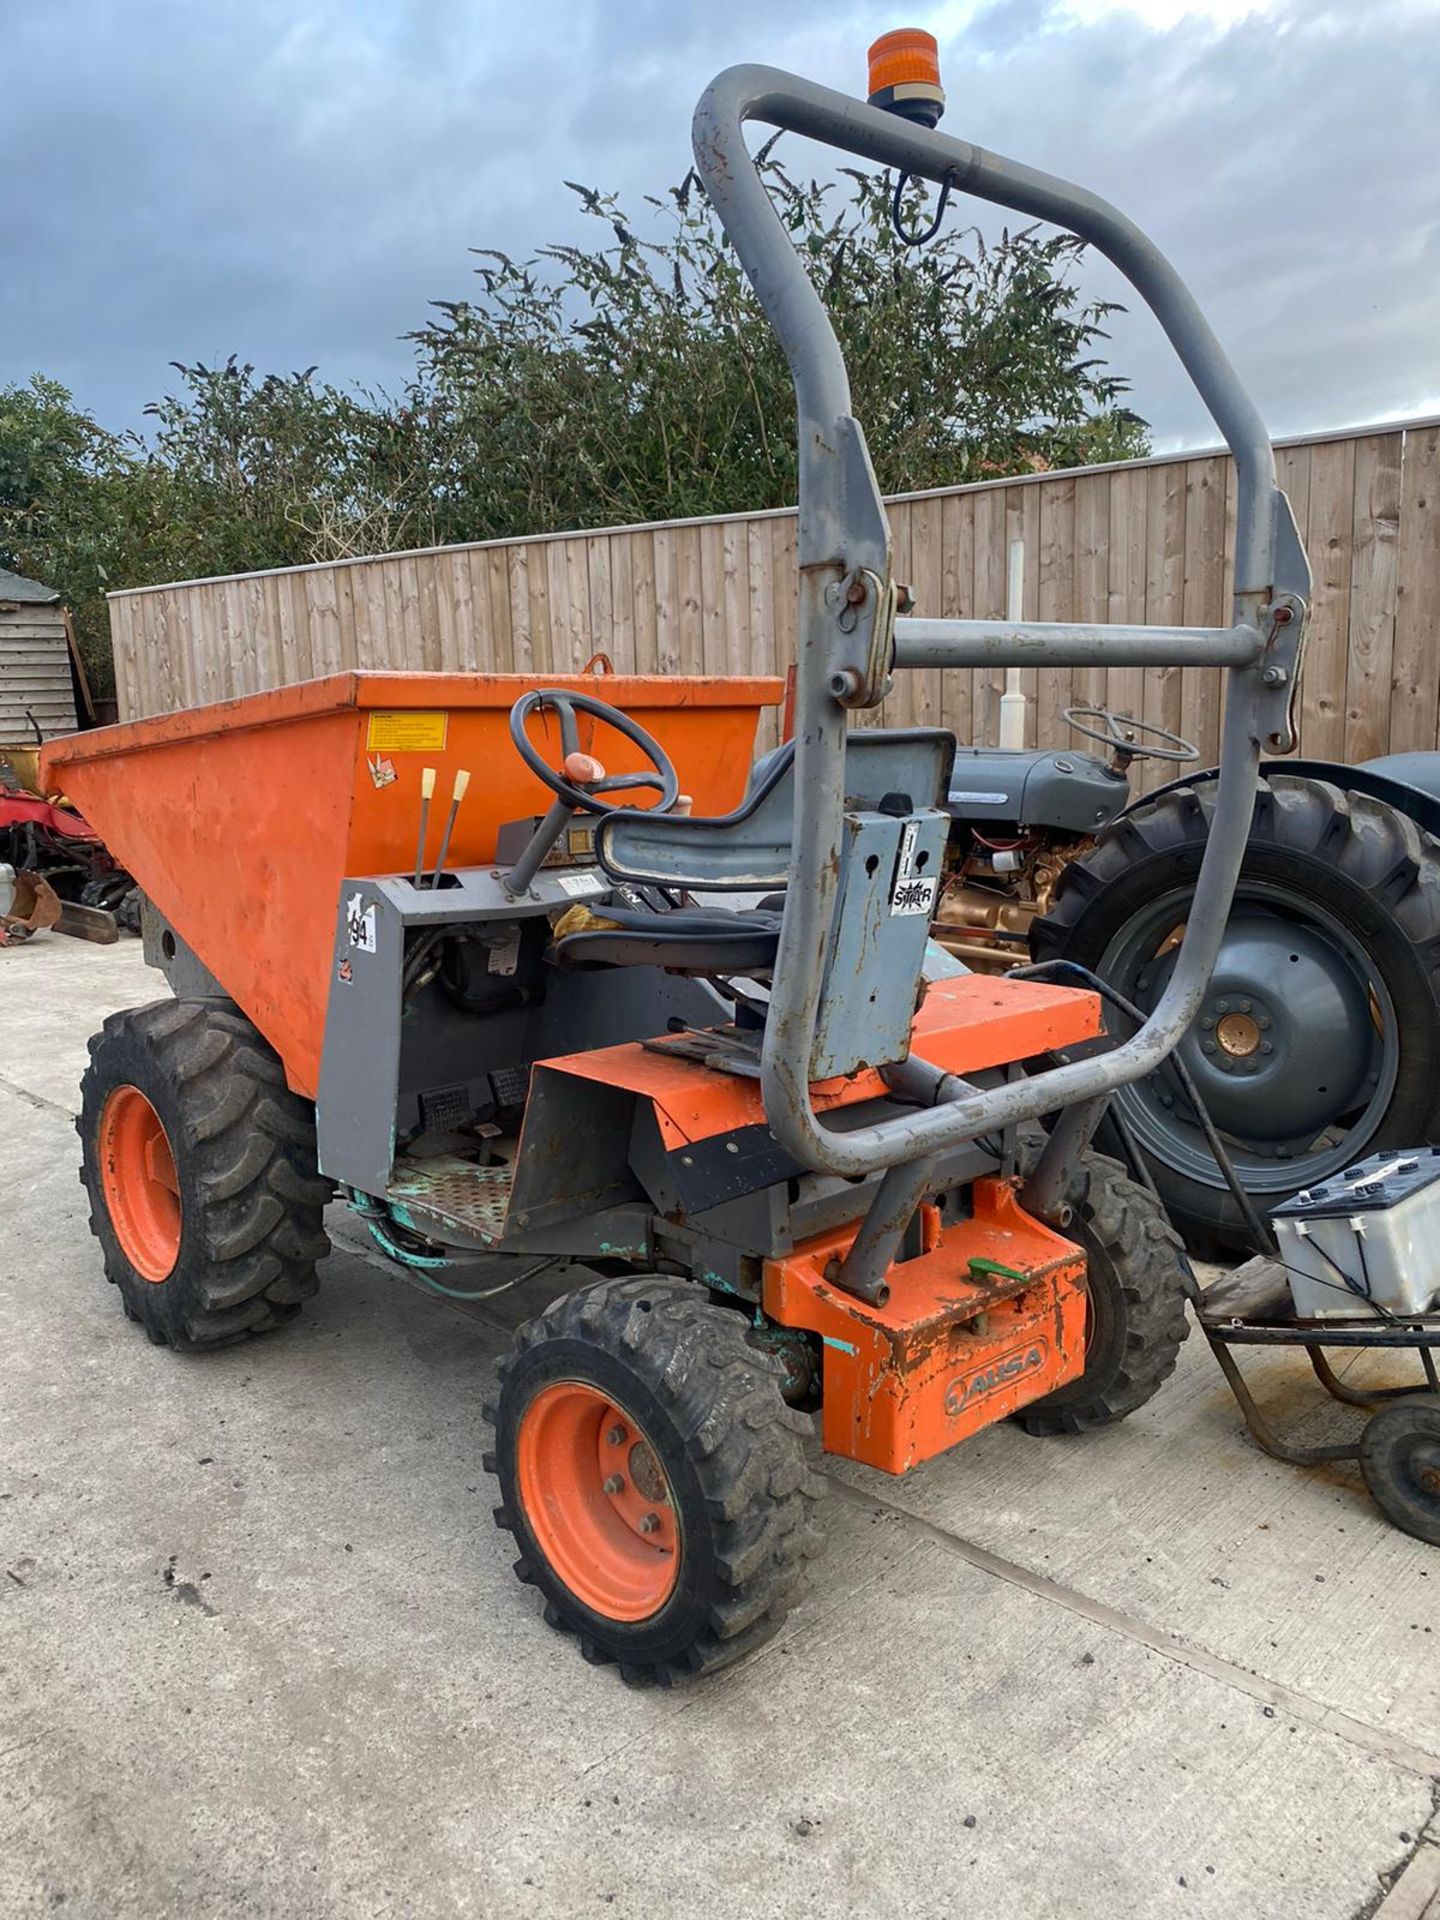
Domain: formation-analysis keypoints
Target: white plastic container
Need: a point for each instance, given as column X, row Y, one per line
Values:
column 1366, row 1242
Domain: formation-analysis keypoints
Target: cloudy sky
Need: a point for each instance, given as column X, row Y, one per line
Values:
column 292, row 180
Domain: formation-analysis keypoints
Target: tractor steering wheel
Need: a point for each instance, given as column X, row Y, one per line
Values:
column 1118, row 731
column 562, row 781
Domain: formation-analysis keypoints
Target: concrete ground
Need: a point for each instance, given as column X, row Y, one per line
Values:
column 261, row 1652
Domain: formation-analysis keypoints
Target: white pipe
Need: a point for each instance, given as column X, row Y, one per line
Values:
column 1012, row 701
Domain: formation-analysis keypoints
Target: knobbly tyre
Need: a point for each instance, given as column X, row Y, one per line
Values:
column 782, row 1139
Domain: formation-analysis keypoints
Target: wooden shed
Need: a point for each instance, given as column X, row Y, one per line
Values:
column 35, row 677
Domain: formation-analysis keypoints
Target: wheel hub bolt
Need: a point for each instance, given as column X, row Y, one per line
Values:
column 1244, row 1006
column 1222, row 1006
column 1266, row 1046
column 649, row 1522
column 1429, row 1478
column 1207, row 1023
column 1262, row 1020
column 614, row 1483
column 617, row 1436
column 1207, row 1046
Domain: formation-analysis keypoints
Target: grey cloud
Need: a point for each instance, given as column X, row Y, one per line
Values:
column 294, row 181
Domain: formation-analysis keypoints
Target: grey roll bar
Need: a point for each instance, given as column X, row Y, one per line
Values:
column 849, row 640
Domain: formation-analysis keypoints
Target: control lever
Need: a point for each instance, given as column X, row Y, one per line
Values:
column 581, row 770
column 427, row 794
column 462, row 781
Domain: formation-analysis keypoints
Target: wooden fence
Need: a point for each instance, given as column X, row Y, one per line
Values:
column 1144, row 541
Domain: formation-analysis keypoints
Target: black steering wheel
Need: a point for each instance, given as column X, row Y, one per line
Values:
column 584, row 798
column 1118, row 730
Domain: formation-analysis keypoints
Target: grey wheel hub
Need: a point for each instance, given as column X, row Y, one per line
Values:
column 1285, row 1038
column 1294, row 1050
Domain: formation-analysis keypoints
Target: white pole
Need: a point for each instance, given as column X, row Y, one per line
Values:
column 1012, row 701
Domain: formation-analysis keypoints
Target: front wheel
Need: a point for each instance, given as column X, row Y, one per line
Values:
column 653, row 1477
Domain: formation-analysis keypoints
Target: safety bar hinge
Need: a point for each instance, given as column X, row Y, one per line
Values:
column 865, row 608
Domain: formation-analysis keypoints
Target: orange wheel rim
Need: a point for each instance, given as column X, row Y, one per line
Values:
column 137, row 1176
column 597, row 1501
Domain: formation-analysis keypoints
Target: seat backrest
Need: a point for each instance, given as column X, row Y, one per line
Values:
column 886, row 770
column 892, row 853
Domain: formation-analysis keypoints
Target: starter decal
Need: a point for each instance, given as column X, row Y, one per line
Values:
column 913, row 893
column 382, row 772
column 360, row 924
column 407, row 732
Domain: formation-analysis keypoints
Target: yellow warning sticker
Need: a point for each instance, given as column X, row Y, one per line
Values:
column 407, row 732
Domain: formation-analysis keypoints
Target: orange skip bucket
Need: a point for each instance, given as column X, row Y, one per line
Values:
column 241, row 820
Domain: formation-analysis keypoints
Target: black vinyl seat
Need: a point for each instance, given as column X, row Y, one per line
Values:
column 695, row 940
column 890, row 771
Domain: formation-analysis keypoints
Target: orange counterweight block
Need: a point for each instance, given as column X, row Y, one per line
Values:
column 990, row 1317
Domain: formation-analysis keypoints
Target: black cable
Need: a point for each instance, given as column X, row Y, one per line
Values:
column 1263, row 1234
column 906, row 238
column 1344, row 1285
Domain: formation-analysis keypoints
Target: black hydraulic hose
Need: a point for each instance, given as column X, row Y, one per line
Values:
column 1262, row 1235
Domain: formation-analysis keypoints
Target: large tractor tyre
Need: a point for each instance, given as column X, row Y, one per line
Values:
column 1317, row 1039
column 1137, row 1283
column 200, row 1167
column 653, row 1477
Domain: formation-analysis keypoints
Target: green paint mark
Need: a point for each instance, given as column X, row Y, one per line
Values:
column 980, row 1267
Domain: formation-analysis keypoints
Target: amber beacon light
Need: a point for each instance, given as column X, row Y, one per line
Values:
column 905, row 75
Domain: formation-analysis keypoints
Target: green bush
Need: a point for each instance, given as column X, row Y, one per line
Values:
column 628, row 380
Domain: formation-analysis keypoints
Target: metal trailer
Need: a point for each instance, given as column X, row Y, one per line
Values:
column 785, row 1139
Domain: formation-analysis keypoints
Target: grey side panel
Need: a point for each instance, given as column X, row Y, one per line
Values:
column 889, row 884
column 574, row 1153
column 360, row 1058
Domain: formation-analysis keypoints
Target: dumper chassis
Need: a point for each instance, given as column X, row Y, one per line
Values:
column 794, row 1140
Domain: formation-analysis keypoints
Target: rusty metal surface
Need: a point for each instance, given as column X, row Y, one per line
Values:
column 954, row 1347
column 34, row 906
column 476, row 1199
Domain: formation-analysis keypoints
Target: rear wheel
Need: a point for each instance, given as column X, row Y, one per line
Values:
column 1316, row 1043
column 200, row 1167
column 653, row 1477
column 1137, row 1280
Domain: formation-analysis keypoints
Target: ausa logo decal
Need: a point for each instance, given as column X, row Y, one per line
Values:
column 966, row 1388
